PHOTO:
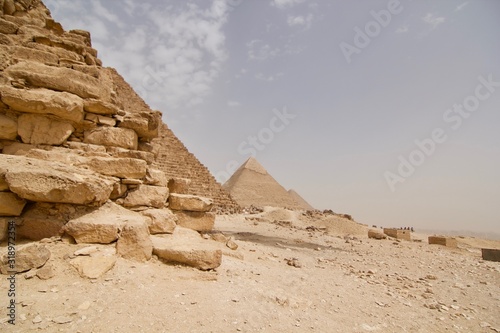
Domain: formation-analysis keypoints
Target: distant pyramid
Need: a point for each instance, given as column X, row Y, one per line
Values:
column 251, row 184
column 299, row 200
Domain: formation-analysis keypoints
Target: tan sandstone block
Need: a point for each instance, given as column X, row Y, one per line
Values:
column 41, row 130
column 8, row 128
column 188, row 202
column 199, row 221
column 112, row 136
column 11, row 204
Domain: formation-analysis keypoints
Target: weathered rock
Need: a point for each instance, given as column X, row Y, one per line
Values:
column 3, row 183
column 148, row 196
column 156, row 177
column 41, row 130
column 27, row 257
column 441, row 240
column 46, row 272
column 161, row 221
column 17, row 148
column 232, row 245
column 58, row 78
column 375, row 234
column 100, row 120
column 187, row 247
column 134, row 242
column 85, row 251
column 44, row 181
column 93, row 267
column 100, row 107
column 43, row 101
column 39, row 221
column 112, row 136
column 9, row 7
column 119, row 191
column 199, row 221
column 118, row 167
column 8, row 128
column 11, row 204
column 189, row 202
column 7, row 27
column 103, row 225
column 30, row 54
column 145, row 124
column 126, row 153
column 179, row 185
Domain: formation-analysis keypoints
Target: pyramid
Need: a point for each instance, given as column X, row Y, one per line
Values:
column 251, row 185
column 301, row 201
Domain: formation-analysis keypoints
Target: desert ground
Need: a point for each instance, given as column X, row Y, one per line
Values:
column 290, row 273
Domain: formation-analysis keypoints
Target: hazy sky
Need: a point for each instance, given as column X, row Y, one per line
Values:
column 386, row 110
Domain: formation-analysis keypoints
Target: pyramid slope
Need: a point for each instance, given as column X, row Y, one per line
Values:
column 300, row 201
column 251, row 184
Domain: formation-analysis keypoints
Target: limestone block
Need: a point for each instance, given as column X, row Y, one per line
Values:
column 188, row 202
column 27, row 257
column 134, row 242
column 147, row 196
column 93, row 267
column 43, row 101
column 9, row 7
column 375, row 234
column 112, row 136
column 41, row 130
column 45, row 181
column 7, row 27
column 179, row 185
column 100, row 120
column 100, row 107
column 161, row 221
column 59, row 79
column 119, row 191
column 156, row 177
column 441, row 240
column 4, row 224
column 118, row 167
column 121, row 152
column 398, row 233
column 40, row 221
column 491, row 254
column 29, row 54
column 199, row 221
column 11, row 204
column 188, row 248
column 146, row 124
column 8, row 128
column 103, row 225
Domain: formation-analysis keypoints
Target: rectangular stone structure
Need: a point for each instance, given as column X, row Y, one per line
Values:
column 491, row 254
column 398, row 233
column 442, row 240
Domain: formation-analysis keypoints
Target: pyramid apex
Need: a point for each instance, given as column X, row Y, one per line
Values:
column 254, row 165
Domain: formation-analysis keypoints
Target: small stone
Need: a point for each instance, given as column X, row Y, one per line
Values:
column 37, row 320
column 45, row 273
column 30, row 274
column 232, row 245
column 84, row 306
column 86, row 251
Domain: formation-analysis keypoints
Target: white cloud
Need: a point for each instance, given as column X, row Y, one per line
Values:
column 304, row 21
column 403, row 29
column 461, row 6
column 281, row 4
column 433, row 20
column 258, row 50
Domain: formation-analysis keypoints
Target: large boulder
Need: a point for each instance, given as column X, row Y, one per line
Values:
column 146, row 124
column 375, row 234
column 58, row 78
column 43, row 101
column 104, row 225
column 11, row 204
column 27, row 257
column 187, row 247
column 118, row 167
column 160, row 221
column 43, row 220
column 41, row 130
column 147, row 196
column 155, row 177
column 199, row 221
column 45, row 181
column 134, row 242
column 191, row 203
column 179, row 185
column 99, row 107
column 112, row 136
column 8, row 128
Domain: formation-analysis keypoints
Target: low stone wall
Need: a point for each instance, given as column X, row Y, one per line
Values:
column 398, row 233
column 445, row 241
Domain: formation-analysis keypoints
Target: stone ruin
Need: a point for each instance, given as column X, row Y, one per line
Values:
column 398, row 233
column 85, row 158
column 443, row 240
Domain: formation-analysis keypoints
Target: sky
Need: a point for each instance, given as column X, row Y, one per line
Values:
column 386, row 110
